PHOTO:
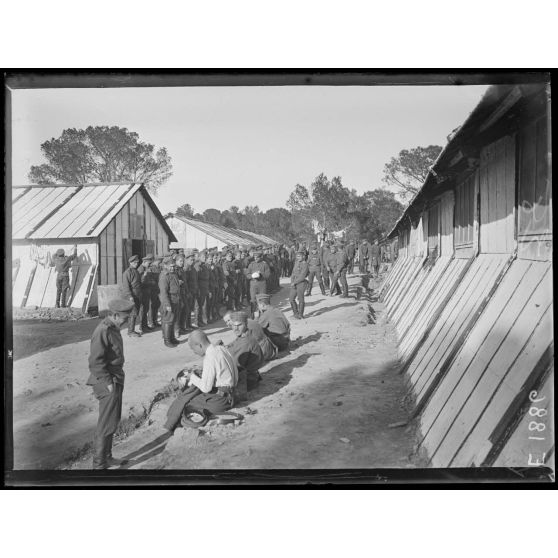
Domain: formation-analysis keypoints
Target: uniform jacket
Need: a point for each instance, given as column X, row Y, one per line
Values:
column 203, row 275
column 213, row 277
column 331, row 261
column 275, row 321
column 314, row 262
column 260, row 266
column 220, row 275
column 351, row 251
column 62, row 264
column 181, row 274
column 169, row 288
column 238, row 266
column 131, row 283
column 229, row 270
column 247, row 352
column 342, row 260
column 374, row 252
column 300, row 272
column 364, row 250
column 148, row 279
column 191, row 279
column 106, row 356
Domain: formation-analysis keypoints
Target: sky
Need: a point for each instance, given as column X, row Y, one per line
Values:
column 250, row 145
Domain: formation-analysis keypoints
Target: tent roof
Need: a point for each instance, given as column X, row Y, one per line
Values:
column 72, row 210
column 226, row 234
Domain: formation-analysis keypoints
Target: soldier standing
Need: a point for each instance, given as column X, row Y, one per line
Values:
column 145, row 293
column 180, row 316
column 375, row 258
column 203, row 301
column 192, row 286
column 341, row 270
column 155, row 270
column 298, row 285
column 257, row 273
column 363, row 254
column 331, row 266
column 324, row 254
column 106, row 376
column 351, row 251
column 62, row 266
column 315, row 269
column 131, row 289
column 169, row 293
column 229, row 271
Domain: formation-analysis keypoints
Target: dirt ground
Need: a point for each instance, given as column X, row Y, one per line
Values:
column 328, row 403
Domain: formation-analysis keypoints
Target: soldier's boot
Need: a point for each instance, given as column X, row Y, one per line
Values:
column 308, row 291
column 63, row 298
column 100, row 455
column 113, row 461
column 322, row 288
column 131, row 328
column 301, row 309
column 168, row 331
column 58, row 295
column 295, row 310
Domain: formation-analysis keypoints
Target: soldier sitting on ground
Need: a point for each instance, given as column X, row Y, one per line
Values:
column 275, row 324
column 269, row 350
column 213, row 392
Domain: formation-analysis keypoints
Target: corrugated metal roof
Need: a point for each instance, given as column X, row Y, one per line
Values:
column 70, row 210
column 226, row 234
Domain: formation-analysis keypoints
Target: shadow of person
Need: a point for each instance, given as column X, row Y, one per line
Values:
column 329, row 309
column 276, row 378
column 300, row 341
column 146, row 452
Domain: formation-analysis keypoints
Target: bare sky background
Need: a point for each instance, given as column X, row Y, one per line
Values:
column 250, row 145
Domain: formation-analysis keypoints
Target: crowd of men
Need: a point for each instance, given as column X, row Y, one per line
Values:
column 188, row 289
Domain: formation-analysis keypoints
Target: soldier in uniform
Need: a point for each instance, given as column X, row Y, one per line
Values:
column 180, row 316
column 298, row 285
column 246, row 261
column 363, row 255
column 218, row 261
column 351, row 251
column 331, row 266
column 213, row 287
column 192, row 286
column 62, row 266
column 375, row 258
column 292, row 257
column 169, row 293
column 203, row 287
column 229, row 272
column 275, row 324
column 106, row 376
column 315, row 269
column 146, row 287
column 324, row 252
column 131, row 289
column 341, row 270
column 257, row 273
column 155, row 270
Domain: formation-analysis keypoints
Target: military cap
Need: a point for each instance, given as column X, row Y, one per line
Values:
column 188, row 252
column 257, row 252
column 60, row 252
column 148, row 257
column 176, row 256
column 134, row 258
column 120, row 305
column 239, row 316
column 263, row 298
column 168, row 260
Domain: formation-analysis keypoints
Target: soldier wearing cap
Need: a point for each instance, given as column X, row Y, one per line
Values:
column 192, row 283
column 269, row 350
column 363, row 255
column 324, row 252
column 341, row 270
column 202, row 301
column 62, row 264
column 298, row 285
column 315, row 269
column 351, row 251
column 106, row 376
column 180, row 317
column 245, row 351
column 275, row 324
column 374, row 254
column 247, row 259
column 131, row 289
column 257, row 273
column 147, row 286
column 155, row 270
column 213, row 288
column 169, row 294
column 331, row 267
column 229, row 272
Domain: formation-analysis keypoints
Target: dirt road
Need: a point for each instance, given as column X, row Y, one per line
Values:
column 327, row 404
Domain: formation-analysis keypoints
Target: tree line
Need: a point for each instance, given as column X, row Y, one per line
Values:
column 113, row 154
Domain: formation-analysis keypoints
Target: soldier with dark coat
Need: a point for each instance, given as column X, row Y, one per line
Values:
column 213, row 288
column 363, row 255
column 351, row 251
column 203, row 287
column 298, row 285
column 106, row 376
column 169, row 294
column 180, row 316
column 257, row 273
column 155, row 270
column 315, row 269
column 375, row 258
column 192, row 286
column 230, row 275
column 62, row 265
column 331, row 267
column 147, row 286
column 341, row 270
column 324, row 253
column 218, row 261
column 131, row 289
column 275, row 324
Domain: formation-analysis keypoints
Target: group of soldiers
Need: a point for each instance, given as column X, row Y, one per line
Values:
column 188, row 287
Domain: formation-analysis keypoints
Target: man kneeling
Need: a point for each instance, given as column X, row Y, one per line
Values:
column 274, row 322
column 214, row 390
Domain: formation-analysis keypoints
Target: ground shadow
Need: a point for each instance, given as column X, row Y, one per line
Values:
column 300, row 341
column 329, row 309
column 277, row 377
column 149, row 450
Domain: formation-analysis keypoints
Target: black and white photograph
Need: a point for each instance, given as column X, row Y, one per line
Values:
column 299, row 277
